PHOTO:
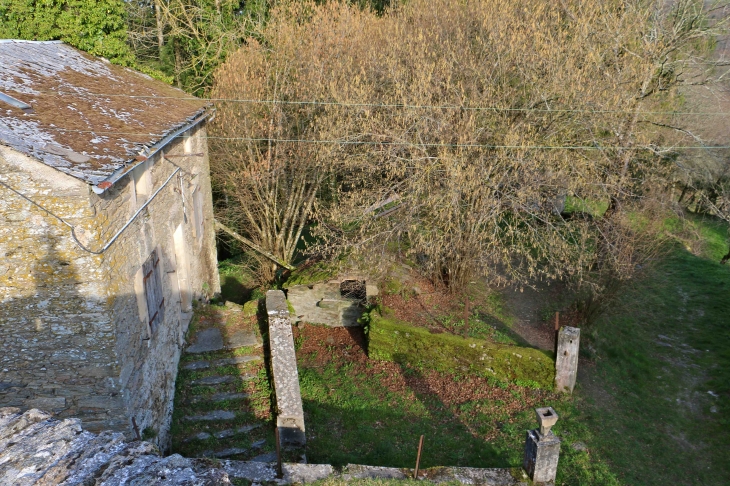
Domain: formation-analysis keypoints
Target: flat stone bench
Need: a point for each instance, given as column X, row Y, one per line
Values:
column 290, row 417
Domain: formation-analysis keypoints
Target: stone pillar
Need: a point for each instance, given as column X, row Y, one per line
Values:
column 566, row 361
column 542, row 448
column 290, row 416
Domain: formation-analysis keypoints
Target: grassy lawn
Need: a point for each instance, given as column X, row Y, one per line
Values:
column 657, row 394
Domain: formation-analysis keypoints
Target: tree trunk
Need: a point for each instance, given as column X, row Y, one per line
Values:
column 160, row 29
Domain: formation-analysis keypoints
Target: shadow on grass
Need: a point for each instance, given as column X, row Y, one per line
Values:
column 357, row 420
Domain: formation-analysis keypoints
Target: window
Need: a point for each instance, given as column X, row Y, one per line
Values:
column 198, row 213
column 188, row 142
column 152, row 281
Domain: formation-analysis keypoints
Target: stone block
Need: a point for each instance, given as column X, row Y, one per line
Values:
column 566, row 361
column 290, row 417
column 47, row 403
column 541, row 456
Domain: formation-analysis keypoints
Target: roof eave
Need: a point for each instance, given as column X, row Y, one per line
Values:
column 103, row 186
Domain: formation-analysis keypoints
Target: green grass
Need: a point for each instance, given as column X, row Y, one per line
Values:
column 661, row 350
column 352, row 419
column 391, row 340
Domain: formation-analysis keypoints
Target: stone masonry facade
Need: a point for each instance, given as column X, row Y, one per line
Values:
column 74, row 326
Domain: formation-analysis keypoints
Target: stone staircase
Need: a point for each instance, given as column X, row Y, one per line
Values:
column 223, row 398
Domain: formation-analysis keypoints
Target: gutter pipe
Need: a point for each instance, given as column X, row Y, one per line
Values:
column 102, row 186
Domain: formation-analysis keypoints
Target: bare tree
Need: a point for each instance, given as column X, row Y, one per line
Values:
column 456, row 131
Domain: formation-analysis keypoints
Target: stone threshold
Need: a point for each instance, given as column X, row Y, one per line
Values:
column 259, row 472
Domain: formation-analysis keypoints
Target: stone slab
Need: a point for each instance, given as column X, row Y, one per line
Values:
column 212, row 380
column 231, row 432
column 232, row 451
column 268, row 457
column 220, row 397
column 236, row 360
column 290, row 417
column 199, row 436
column 206, row 341
column 240, row 339
column 211, row 416
column 197, row 365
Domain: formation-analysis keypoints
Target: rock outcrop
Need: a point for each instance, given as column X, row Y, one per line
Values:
column 36, row 449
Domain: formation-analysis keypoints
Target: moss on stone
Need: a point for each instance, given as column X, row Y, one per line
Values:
column 319, row 272
column 251, row 308
column 392, row 340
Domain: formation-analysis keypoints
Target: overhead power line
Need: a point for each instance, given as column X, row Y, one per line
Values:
column 419, row 144
column 397, row 105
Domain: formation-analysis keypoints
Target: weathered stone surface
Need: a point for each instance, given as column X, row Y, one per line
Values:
column 37, row 449
column 323, row 303
column 197, row 365
column 199, row 436
column 206, row 341
column 262, row 472
column 232, row 451
column 212, row 380
column 240, row 339
column 75, row 322
column 290, row 417
column 236, row 360
column 541, row 456
column 268, row 457
column 211, row 416
column 566, row 363
column 356, row 471
column 231, row 432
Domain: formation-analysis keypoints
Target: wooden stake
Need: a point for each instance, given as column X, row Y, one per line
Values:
column 279, row 469
column 418, row 458
column 557, row 331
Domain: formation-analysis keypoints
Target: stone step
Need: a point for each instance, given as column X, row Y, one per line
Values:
column 201, row 365
column 231, row 451
column 213, row 380
column 231, row 432
column 211, row 339
column 211, row 416
column 220, row 397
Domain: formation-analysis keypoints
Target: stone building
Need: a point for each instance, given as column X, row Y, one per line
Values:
column 106, row 236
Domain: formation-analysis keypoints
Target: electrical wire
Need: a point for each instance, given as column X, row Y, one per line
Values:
column 73, row 228
column 392, row 105
column 387, row 143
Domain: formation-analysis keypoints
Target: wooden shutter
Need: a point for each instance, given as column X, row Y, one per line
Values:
column 153, row 291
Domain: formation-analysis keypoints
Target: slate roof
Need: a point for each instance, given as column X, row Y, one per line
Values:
column 83, row 121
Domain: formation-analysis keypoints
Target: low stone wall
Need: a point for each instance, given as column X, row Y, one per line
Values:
column 38, row 449
column 290, row 414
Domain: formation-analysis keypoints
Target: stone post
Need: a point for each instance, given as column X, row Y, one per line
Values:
column 290, row 416
column 566, row 361
column 542, row 448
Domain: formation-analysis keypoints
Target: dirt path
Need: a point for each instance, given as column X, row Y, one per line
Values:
column 533, row 310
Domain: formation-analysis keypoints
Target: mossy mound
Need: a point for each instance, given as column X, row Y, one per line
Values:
column 311, row 274
column 391, row 340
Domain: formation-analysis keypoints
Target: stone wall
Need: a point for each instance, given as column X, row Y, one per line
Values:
column 36, row 449
column 148, row 361
column 57, row 346
column 75, row 335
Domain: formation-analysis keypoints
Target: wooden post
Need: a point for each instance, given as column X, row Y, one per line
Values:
column 418, row 458
column 557, row 330
column 279, row 468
